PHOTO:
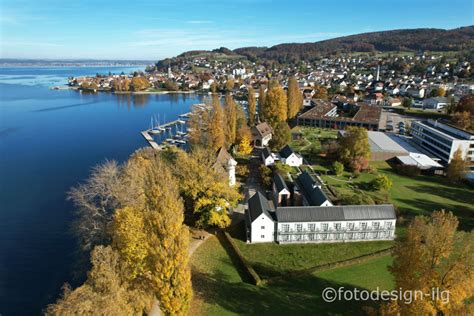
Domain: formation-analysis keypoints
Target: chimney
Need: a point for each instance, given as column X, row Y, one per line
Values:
column 378, row 73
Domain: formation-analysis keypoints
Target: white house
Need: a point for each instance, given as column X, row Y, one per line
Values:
column 269, row 158
column 261, row 134
column 316, row 224
column 290, row 158
column 435, row 103
column 281, row 193
column 260, row 225
column 226, row 164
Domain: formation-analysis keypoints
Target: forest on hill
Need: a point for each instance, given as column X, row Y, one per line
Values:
column 423, row 39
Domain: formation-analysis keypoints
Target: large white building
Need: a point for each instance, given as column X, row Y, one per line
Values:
column 443, row 140
column 317, row 224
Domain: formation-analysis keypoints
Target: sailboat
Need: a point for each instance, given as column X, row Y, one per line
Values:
column 162, row 129
column 154, row 129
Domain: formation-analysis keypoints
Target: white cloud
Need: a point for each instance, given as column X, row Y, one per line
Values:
column 199, row 22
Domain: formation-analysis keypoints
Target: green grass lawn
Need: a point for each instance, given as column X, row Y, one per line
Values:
column 369, row 275
column 221, row 289
column 416, row 195
column 271, row 259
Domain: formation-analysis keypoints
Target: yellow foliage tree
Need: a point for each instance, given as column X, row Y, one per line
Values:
column 231, row 120
column 276, row 105
column 206, row 192
column 252, row 107
column 167, row 241
column 245, row 147
column 295, row 98
column 433, row 255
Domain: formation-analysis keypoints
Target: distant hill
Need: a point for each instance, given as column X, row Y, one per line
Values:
column 425, row 39
column 397, row 40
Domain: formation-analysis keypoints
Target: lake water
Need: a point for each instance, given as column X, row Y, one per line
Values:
column 49, row 140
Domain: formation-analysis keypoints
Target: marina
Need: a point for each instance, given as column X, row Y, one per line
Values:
column 166, row 129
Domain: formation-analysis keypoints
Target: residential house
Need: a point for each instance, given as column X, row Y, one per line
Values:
column 269, row 158
column 225, row 164
column 290, row 158
column 435, row 103
column 261, row 134
column 309, row 191
column 281, row 193
column 259, row 222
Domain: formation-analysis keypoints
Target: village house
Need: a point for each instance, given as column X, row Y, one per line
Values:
column 225, row 164
column 435, row 103
column 308, row 192
column 261, row 134
column 290, row 158
column 281, row 192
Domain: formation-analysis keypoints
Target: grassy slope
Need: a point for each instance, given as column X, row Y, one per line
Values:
column 418, row 195
column 220, row 289
column 273, row 259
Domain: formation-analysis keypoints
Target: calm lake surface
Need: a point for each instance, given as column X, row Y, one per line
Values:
column 49, row 140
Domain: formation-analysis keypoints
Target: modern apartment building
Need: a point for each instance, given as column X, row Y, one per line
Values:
column 443, row 140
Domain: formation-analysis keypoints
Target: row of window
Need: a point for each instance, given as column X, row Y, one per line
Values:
column 335, row 236
column 336, row 226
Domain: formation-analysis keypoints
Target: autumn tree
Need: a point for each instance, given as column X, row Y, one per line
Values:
column 139, row 83
column 252, row 106
column 433, row 255
column 281, row 136
column 262, row 108
column 354, row 148
column 230, row 110
column 229, row 85
column 462, row 120
column 456, row 170
column 276, row 106
column 466, row 103
column 245, row 146
column 205, row 190
column 104, row 292
column 96, row 200
column 167, row 240
column 320, row 92
column 216, row 126
column 213, row 87
column 294, row 98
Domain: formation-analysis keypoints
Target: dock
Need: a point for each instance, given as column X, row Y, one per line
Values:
column 150, row 139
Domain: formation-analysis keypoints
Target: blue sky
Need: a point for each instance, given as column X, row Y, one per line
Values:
column 146, row 29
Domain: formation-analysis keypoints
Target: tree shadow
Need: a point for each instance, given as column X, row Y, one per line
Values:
column 465, row 215
column 298, row 296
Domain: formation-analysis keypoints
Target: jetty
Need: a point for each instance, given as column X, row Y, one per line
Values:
column 165, row 126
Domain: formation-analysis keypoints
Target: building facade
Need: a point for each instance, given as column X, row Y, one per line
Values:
column 443, row 140
column 316, row 224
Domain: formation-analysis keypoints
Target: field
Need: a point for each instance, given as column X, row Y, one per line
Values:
column 221, row 289
column 272, row 259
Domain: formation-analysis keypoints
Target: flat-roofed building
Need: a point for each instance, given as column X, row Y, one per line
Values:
column 443, row 140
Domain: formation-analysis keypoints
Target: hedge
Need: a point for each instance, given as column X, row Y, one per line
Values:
column 245, row 264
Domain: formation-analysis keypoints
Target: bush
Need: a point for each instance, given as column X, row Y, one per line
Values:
column 381, row 182
column 265, row 176
column 338, row 168
column 359, row 198
column 242, row 170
